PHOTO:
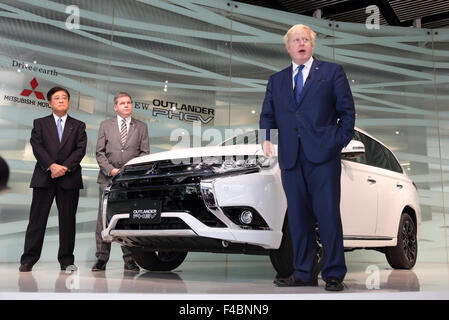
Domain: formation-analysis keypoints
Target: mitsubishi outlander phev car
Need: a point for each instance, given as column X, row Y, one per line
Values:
column 229, row 199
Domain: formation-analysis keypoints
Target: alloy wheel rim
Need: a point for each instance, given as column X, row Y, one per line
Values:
column 409, row 241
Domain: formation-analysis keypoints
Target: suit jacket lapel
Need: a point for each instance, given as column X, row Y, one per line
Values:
column 53, row 130
column 115, row 129
column 67, row 132
column 287, row 85
column 132, row 129
column 313, row 77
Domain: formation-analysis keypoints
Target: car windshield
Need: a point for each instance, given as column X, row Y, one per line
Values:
column 247, row 137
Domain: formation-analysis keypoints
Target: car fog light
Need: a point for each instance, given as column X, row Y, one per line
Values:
column 246, row 217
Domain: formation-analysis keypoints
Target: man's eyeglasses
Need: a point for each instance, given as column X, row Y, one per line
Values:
column 59, row 97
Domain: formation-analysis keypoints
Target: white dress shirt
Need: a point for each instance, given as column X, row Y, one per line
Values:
column 63, row 118
column 305, row 71
column 128, row 123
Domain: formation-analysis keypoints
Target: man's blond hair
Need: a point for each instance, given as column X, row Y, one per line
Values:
column 297, row 28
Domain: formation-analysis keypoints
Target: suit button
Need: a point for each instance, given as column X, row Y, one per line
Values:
column 296, row 129
column 297, row 111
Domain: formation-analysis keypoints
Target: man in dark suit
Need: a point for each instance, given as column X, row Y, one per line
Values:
column 59, row 144
column 311, row 105
column 4, row 175
column 120, row 139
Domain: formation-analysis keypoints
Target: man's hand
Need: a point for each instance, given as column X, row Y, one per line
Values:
column 267, row 148
column 114, row 172
column 57, row 170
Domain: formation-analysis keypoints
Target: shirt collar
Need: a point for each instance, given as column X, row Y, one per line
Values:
column 64, row 117
column 127, row 119
column 307, row 65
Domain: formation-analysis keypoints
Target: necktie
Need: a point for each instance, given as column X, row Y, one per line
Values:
column 123, row 132
column 298, row 83
column 59, row 126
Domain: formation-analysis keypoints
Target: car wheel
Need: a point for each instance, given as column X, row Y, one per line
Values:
column 282, row 258
column 158, row 260
column 404, row 254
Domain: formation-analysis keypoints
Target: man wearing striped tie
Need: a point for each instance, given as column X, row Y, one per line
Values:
column 120, row 139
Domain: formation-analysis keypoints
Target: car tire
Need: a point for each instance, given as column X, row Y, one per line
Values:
column 282, row 258
column 404, row 254
column 158, row 260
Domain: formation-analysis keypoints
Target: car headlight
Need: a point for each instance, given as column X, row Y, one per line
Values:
column 240, row 164
column 265, row 162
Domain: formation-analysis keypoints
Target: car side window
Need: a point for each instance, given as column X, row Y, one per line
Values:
column 394, row 164
column 375, row 155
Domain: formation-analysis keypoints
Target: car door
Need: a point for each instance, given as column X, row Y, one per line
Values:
column 393, row 188
column 380, row 173
column 359, row 196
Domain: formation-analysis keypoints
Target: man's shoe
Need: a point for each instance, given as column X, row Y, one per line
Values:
column 25, row 268
column 131, row 266
column 292, row 281
column 334, row 284
column 70, row 267
column 100, row 265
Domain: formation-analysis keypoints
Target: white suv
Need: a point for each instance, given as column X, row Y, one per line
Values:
column 229, row 199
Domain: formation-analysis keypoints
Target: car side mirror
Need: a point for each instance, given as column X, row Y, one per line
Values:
column 353, row 149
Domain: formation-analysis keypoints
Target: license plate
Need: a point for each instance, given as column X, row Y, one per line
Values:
column 144, row 211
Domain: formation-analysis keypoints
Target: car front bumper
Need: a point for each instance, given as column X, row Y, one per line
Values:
column 209, row 220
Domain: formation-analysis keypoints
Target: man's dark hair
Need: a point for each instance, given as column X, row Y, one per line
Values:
column 52, row 91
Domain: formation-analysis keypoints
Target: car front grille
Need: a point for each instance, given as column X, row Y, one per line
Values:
column 181, row 171
column 167, row 223
column 163, row 173
column 181, row 198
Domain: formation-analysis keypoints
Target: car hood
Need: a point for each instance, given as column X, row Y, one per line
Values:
column 203, row 152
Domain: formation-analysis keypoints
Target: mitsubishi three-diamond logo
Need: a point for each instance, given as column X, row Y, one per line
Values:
column 27, row 92
column 26, row 97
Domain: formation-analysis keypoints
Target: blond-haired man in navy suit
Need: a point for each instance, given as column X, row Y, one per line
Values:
column 311, row 104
